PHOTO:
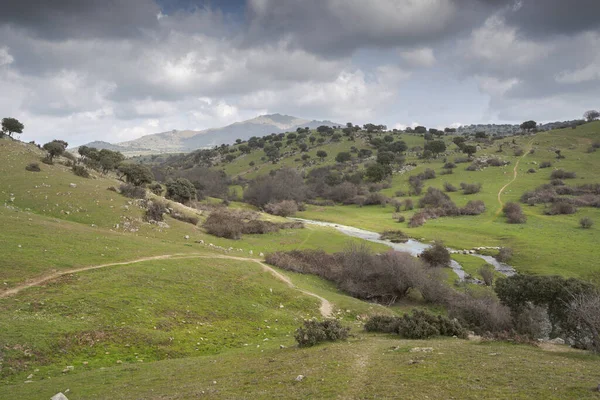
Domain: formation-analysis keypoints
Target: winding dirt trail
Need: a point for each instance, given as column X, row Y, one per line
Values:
column 515, row 174
column 326, row 307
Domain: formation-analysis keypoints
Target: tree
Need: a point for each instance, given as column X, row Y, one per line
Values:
column 436, row 146
column 109, row 159
column 55, row 148
column 469, row 150
column 459, row 141
column 528, row 126
column 322, row 154
column 343, row 156
column 480, row 135
column 245, row 149
column 420, row 129
column 377, row 172
column 385, row 157
column 591, row 115
column 180, row 190
column 12, row 125
column 136, row 174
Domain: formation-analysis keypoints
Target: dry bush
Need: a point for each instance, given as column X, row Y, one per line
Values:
column 224, row 224
column 449, row 165
column 461, row 160
column 418, row 219
column 448, row 187
column 80, row 170
column 584, row 316
column 518, row 152
column 188, row 219
column 514, row 213
column 433, row 198
column 504, row 254
column 470, row 188
column 586, row 222
column 257, row 227
column 487, row 274
column 496, row 162
column 342, row 192
column 562, row 174
column 561, row 208
column 376, row 199
column 132, row 191
column 283, row 208
column 482, row 315
column 155, row 212
column 394, row 236
column 427, row 174
column 473, row 207
column 408, row 205
column 545, row 164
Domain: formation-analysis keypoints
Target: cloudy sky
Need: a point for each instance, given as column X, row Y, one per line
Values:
column 114, row 70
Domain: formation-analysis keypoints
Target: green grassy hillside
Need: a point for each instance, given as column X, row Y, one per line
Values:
column 138, row 311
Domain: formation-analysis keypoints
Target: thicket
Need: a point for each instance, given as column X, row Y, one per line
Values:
column 232, row 224
column 313, row 332
column 132, row 191
column 514, row 213
column 417, row 325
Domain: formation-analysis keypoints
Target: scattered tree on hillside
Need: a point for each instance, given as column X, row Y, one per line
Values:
column 436, row 146
column 377, row 172
column 591, row 115
column 343, row 156
column 180, row 190
column 528, row 126
column 11, row 125
column 55, row 148
column 420, row 129
column 322, row 154
column 469, row 150
column 135, row 174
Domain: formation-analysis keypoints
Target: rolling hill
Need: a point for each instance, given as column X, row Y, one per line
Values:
column 176, row 141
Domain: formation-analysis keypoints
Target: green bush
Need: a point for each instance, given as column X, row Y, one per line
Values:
column 155, row 212
column 418, row 325
column 33, row 167
column 80, row 170
column 314, row 332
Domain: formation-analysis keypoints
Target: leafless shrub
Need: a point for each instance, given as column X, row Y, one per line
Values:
column 545, row 164
column 514, row 213
column 473, row 207
column 408, row 205
column 155, row 212
column 562, row 174
column 504, row 254
column 132, row 191
column 584, row 316
column 436, row 256
column 470, row 188
column 223, row 224
column 487, row 274
column 561, row 208
column 283, row 208
column 448, row 187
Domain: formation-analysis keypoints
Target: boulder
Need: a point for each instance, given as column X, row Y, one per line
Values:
column 59, row 396
column 299, row 378
column 73, row 185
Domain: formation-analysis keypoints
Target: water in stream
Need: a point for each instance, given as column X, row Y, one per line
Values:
column 411, row 246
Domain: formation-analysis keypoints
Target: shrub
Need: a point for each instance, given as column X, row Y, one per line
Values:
column 433, row 198
column 33, row 167
column 428, row 174
column 418, row 219
column 531, row 171
column 448, row 187
column 188, row 219
column 586, row 222
column 223, row 224
column 480, row 314
column 496, row 162
column 376, row 199
column 519, row 152
column 180, row 190
column 408, row 205
column 514, row 213
column 47, row 160
column 418, row 325
column 257, row 227
column 313, row 332
column 561, row 208
column 394, row 236
column 156, row 188
column 470, row 188
column 504, row 254
column 283, row 208
column 132, row 191
column 400, row 193
column 473, row 207
column 155, row 212
column 401, row 218
column 546, row 164
column 285, row 184
column 80, row 170
column 449, row 165
column 487, row 274
column 437, row 255
column 416, row 184
column 461, row 160
column 562, row 174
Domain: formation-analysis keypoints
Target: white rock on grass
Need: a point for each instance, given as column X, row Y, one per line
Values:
column 59, row 396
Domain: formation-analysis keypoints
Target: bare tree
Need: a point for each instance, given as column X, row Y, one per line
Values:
column 585, row 316
column 591, row 115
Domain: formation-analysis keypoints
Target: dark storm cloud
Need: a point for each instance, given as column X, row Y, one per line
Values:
column 547, row 17
column 68, row 19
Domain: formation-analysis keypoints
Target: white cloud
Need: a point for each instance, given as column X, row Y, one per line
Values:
column 420, row 57
column 5, row 57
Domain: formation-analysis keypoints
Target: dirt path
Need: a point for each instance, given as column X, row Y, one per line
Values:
column 515, row 174
column 326, row 308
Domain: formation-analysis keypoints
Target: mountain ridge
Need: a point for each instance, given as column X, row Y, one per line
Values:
column 188, row 140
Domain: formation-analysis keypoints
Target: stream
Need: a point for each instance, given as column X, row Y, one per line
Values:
column 414, row 247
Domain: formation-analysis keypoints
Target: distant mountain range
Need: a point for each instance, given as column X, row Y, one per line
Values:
column 176, row 141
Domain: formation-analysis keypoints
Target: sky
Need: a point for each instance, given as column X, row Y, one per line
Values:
column 115, row 70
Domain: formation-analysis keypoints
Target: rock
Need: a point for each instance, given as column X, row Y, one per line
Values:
column 59, row 396
column 187, row 237
column 250, row 252
column 421, row 350
column 261, row 255
column 73, row 185
column 557, row 341
column 281, row 346
column 119, row 362
column 30, row 376
column 299, row 378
